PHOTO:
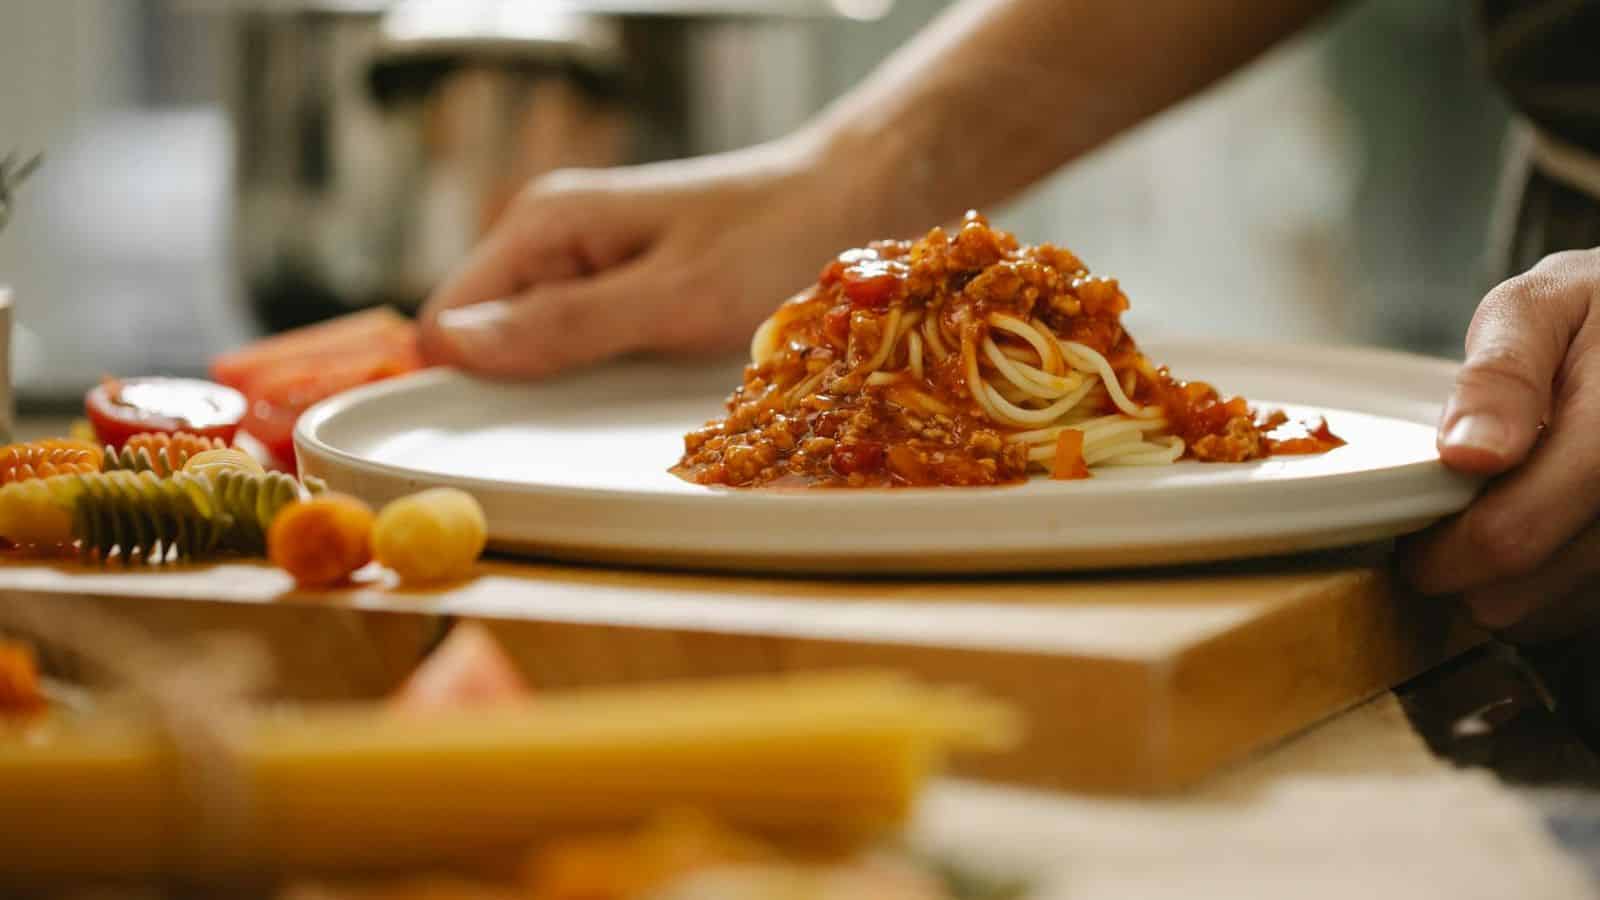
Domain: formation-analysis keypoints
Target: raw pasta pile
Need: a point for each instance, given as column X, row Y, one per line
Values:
column 166, row 497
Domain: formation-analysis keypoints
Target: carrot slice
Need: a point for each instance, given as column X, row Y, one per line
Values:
column 307, row 348
column 1069, row 464
column 19, row 680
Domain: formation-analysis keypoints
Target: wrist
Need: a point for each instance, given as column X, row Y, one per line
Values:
column 878, row 181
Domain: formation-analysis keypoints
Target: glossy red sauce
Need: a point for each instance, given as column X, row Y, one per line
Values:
column 809, row 414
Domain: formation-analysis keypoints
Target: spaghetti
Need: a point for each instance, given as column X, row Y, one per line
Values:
column 965, row 359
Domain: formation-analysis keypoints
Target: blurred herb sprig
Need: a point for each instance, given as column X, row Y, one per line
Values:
column 13, row 171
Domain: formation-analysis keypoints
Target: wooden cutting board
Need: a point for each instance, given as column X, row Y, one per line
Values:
column 1130, row 683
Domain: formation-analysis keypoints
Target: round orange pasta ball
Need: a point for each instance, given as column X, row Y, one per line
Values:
column 432, row 536
column 322, row 540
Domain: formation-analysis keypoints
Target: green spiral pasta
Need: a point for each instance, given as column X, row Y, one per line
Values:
column 142, row 514
column 250, row 503
column 158, row 452
column 130, row 459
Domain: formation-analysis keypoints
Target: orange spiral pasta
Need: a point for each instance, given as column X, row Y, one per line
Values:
column 179, row 442
column 159, row 452
column 42, row 459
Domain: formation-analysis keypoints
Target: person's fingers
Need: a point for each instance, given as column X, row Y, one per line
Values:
column 545, row 237
column 1560, row 599
column 1525, row 516
column 553, row 326
column 504, row 263
column 1515, row 346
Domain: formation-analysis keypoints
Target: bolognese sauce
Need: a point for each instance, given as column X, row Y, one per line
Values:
column 961, row 359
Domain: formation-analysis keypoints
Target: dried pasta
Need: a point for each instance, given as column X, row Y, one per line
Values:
column 42, row 459
column 432, row 536
column 252, row 502
column 139, row 514
column 643, row 863
column 38, row 512
column 323, row 540
column 158, row 452
column 209, row 463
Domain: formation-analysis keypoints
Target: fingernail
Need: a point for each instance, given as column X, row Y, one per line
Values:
column 1477, row 431
column 475, row 330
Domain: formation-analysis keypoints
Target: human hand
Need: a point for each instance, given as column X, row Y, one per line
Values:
column 685, row 256
column 1525, row 556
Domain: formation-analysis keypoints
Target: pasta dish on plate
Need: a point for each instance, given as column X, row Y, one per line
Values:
column 965, row 359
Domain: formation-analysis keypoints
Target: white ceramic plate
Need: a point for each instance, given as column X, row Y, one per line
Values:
column 577, row 468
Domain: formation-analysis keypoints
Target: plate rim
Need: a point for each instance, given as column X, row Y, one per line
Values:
column 612, row 525
column 306, row 438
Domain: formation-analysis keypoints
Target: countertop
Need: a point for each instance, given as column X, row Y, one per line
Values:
column 1522, row 715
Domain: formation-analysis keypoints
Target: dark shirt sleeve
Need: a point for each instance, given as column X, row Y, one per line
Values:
column 1545, row 54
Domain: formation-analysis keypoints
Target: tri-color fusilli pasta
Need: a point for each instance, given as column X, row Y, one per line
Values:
column 142, row 515
column 42, row 459
column 163, row 454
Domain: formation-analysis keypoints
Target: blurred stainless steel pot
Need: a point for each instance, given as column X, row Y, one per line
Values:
column 376, row 142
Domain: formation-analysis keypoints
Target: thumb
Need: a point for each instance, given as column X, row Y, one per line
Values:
column 551, row 327
column 1515, row 347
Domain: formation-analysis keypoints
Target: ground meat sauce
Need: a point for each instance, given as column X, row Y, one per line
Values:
column 814, row 410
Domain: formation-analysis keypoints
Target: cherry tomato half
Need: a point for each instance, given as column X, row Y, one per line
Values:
column 121, row 408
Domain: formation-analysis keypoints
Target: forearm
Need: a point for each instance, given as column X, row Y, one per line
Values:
column 998, row 93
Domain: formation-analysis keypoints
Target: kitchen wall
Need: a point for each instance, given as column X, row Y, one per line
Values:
column 118, row 246
column 1338, row 190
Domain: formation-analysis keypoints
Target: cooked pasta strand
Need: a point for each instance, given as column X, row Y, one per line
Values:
column 1092, row 359
column 885, row 345
column 1049, row 355
column 930, row 331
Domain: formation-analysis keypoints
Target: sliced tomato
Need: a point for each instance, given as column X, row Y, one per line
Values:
column 283, row 375
column 469, row 669
column 278, row 398
column 120, row 408
column 380, row 330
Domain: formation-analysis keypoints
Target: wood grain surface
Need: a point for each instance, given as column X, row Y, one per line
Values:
column 1130, row 682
